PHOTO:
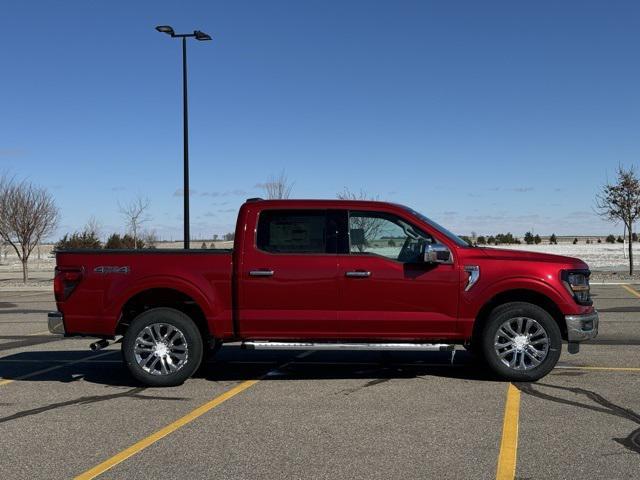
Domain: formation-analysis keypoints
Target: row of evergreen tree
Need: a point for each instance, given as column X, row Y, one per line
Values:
column 90, row 240
column 498, row 239
column 531, row 239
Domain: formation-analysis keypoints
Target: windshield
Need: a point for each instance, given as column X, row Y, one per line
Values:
column 450, row 235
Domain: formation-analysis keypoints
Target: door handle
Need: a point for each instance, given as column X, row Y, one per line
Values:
column 358, row 274
column 261, row 273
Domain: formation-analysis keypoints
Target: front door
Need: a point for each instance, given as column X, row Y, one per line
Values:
column 288, row 284
column 386, row 291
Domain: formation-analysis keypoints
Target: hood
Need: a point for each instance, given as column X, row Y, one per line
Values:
column 523, row 255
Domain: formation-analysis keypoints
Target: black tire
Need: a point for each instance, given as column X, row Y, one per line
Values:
column 513, row 311
column 190, row 339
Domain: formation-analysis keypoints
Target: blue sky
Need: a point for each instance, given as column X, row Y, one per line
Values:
column 486, row 116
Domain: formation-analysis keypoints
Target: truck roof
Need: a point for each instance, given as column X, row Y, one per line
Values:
column 318, row 203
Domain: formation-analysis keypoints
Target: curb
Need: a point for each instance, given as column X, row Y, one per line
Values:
column 27, row 289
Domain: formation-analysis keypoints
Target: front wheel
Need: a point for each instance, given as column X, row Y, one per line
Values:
column 521, row 342
column 162, row 347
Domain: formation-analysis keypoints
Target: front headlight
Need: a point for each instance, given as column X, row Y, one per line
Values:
column 577, row 284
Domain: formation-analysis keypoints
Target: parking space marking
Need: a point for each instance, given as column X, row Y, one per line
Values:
column 163, row 432
column 632, row 291
column 606, row 369
column 188, row 418
column 509, row 443
column 55, row 367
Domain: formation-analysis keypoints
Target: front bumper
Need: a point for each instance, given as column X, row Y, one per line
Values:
column 55, row 321
column 581, row 328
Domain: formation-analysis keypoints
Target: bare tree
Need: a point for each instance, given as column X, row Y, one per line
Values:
column 4, row 182
column 150, row 239
column 93, row 227
column 369, row 225
column 135, row 214
column 27, row 214
column 620, row 201
column 347, row 194
column 278, row 187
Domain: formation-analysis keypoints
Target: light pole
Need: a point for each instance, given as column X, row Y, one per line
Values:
column 198, row 35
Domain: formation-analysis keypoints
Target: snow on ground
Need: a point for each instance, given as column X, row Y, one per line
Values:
column 608, row 257
column 599, row 256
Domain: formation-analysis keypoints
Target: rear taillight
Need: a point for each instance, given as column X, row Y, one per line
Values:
column 65, row 281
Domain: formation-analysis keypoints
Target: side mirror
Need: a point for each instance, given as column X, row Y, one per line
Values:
column 436, row 253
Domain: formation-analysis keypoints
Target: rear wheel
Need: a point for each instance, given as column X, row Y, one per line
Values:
column 162, row 347
column 521, row 342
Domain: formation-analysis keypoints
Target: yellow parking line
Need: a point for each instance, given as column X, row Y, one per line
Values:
column 151, row 439
column 612, row 369
column 509, row 444
column 50, row 369
column 189, row 417
column 632, row 291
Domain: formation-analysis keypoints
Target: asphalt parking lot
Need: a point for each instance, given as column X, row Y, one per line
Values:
column 66, row 411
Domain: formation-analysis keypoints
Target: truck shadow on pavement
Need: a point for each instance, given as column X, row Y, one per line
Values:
column 135, row 393
column 234, row 364
column 587, row 400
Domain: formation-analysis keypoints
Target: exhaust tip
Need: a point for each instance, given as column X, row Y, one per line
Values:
column 99, row 345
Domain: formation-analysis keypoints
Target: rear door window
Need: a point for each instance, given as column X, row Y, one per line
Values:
column 293, row 231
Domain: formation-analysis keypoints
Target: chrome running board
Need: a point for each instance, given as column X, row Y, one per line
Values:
column 425, row 347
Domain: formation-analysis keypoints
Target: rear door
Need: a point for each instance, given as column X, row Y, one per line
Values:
column 385, row 290
column 288, row 283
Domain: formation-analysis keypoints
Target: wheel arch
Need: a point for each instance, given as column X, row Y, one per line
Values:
column 519, row 295
column 166, row 297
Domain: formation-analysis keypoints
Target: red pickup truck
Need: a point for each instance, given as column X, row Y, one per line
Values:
column 326, row 274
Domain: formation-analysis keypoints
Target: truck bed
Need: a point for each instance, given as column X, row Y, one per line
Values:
column 112, row 279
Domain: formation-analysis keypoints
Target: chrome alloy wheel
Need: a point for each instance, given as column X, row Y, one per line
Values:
column 161, row 349
column 521, row 343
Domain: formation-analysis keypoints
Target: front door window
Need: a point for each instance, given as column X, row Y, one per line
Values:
column 385, row 235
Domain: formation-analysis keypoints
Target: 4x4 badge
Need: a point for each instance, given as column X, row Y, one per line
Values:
column 111, row 269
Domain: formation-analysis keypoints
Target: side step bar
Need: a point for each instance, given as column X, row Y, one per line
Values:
column 425, row 347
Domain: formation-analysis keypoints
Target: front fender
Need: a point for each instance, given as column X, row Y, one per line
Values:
column 480, row 297
column 473, row 301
